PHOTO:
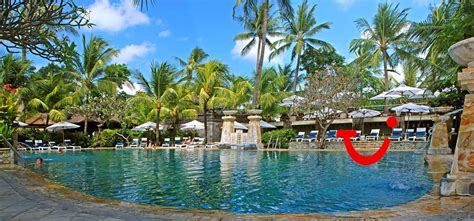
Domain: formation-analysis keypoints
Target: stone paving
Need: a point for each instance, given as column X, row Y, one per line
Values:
column 25, row 195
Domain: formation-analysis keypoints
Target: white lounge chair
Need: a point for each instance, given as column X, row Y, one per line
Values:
column 420, row 134
column 53, row 146
column 144, row 142
column 374, row 135
column 69, row 145
column 119, row 145
column 178, row 143
column 357, row 136
column 331, row 135
column 300, row 137
column 396, row 134
column 166, row 142
column 40, row 145
column 312, row 136
column 410, row 135
column 134, row 143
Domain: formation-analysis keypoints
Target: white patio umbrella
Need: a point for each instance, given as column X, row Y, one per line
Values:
column 61, row 126
column 193, row 125
column 291, row 101
column 20, row 124
column 239, row 126
column 384, row 96
column 404, row 91
column 266, row 125
column 411, row 108
column 423, row 94
column 363, row 113
column 147, row 126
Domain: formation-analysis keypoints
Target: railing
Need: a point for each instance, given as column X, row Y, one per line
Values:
column 17, row 158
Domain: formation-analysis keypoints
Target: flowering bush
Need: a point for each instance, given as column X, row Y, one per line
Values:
column 8, row 103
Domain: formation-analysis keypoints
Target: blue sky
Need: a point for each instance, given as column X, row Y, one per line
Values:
column 175, row 27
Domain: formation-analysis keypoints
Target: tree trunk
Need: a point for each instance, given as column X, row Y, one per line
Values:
column 157, row 129
column 387, row 81
column 85, row 125
column 23, row 54
column 205, row 121
column 322, row 140
column 261, row 53
column 295, row 82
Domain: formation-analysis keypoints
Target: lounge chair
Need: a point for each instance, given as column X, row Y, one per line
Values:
column 40, row 145
column 420, row 134
column 178, row 143
column 396, row 134
column 134, row 143
column 69, row 145
column 300, row 137
column 29, row 145
column 374, row 135
column 119, row 145
column 331, row 135
column 166, row 142
column 357, row 136
column 53, row 146
column 410, row 134
column 144, row 142
column 312, row 136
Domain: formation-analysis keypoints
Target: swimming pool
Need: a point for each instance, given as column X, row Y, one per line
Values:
column 241, row 181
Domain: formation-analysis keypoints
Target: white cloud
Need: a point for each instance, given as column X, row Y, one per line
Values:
column 183, row 39
column 131, row 90
column 159, row 22
column 115, row 17
column 164, row 34
column 252, row 55
column 130, row 52
column 345, row 3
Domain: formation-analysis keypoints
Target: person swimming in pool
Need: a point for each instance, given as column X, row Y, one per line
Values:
column 38, row 162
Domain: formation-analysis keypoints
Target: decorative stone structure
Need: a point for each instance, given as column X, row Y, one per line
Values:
column 227, row 129
column 439, row 143
column 249, row 140
column 255, row 132
column 460, row 181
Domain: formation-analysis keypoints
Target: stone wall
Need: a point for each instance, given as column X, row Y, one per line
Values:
column 403, row 145
column 5, row 157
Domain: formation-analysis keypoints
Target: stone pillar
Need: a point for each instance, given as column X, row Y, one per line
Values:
column 227, row 129
column 255, row 132
column 439, row 143
column 460, row 180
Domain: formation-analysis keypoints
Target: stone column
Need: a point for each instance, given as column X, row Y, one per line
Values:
column 227, row 129
column 460, row 180
column 255, row 132
column 439, row 143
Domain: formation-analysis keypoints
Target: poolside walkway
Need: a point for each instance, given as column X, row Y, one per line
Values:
column 27, row 196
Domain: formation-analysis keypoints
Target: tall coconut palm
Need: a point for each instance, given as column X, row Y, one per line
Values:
column 248, row 6
column 13, row 70
column 209, row 77
column 46, row 95
column 299, row 35
column 272, row 91
column 162, row 78
column 385, row 39
column 190, row 65
column 178, row 104
column 88, row 71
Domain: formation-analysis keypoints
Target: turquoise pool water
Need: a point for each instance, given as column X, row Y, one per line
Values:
column 241, row 181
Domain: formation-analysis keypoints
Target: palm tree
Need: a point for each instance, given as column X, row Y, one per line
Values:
column 13, row 70
column 162, row 78
column 299, row 34
column 272, row 89
column 46, row 95
column 248, row 6
column 178, row 104
column 195, row 60
column 237, row 90
column 385, row 39
column 209, row 77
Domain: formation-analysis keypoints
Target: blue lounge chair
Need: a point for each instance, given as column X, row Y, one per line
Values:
column 300, row 137
column 178, row 143
column 357, row 136
column 119, row 145
column 374, row 135
column 134, row 143
column 40, row 145
column 312, row 136
column 331, row 135
column 420, row 134
column 396, row 134
column 144, row 142
column 410, row 134
column 166, row 142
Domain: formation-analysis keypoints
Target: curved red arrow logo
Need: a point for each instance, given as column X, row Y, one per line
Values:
column 359, row 158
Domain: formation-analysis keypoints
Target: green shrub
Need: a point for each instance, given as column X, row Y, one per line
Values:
column 284, row 136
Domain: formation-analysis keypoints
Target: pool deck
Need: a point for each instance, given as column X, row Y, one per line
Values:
column 25, row 195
